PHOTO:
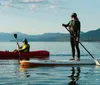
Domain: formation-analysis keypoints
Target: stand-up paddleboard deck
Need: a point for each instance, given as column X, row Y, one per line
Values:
column 33, row 63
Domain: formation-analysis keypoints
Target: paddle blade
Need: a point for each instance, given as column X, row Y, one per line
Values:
column 97, row 63
column 15, row 35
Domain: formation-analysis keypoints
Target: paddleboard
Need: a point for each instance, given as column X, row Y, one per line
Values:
column 33, row 63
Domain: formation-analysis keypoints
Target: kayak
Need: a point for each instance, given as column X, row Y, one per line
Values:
column 34, row 63
column 41, row 54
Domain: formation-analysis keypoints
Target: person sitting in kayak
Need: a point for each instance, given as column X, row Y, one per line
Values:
column 25, row 47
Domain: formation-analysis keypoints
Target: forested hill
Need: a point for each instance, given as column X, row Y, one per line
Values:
column 93, row 35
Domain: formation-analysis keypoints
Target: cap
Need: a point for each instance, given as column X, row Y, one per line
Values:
column 24, row 40
column 74, row 15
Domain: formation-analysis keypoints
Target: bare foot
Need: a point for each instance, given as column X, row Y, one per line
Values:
column 78, row 59
column 72, row 59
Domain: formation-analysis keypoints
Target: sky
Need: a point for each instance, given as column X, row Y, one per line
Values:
column 47, row 16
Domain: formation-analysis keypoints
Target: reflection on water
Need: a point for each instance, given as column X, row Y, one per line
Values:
column 83, row 75
column 74, row 77
column 78, row 75
column 23, row 70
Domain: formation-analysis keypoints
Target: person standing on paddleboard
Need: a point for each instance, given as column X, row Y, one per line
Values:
column 74, row 26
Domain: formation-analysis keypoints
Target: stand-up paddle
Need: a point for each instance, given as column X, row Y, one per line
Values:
column 97, row 63
column 15, row 35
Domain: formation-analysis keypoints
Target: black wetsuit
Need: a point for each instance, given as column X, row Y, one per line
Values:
column 74, row 28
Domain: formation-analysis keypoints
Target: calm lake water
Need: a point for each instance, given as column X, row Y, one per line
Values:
column 12, row 74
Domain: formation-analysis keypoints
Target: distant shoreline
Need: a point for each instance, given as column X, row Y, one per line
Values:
column 90, row 36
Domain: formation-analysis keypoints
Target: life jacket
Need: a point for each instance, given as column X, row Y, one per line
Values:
column 25, row 48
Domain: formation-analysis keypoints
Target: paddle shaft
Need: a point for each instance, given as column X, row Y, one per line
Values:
column 17, row 43
column 15, row 35
column 86, row 50
column 81, row 45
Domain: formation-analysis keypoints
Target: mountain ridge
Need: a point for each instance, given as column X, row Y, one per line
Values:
column 92, row 35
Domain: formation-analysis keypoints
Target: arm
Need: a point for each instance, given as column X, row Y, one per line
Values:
column 22, row 48
column 66, row 25
column 77, row 27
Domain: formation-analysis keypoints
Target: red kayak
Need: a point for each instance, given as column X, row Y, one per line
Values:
column 41, row 54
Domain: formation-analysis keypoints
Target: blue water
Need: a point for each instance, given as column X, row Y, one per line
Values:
column 12, row 74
